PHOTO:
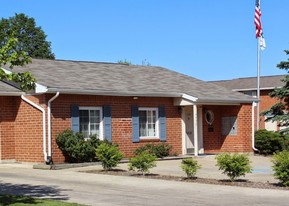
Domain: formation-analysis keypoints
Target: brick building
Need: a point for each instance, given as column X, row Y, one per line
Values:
column 248, row 86
column 127, row 104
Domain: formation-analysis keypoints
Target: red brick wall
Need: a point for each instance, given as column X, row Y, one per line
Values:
column 265, row 103
column 121, row 119
column 25, row 144
column 7, row 118
column 28, row 131
column 215, row 142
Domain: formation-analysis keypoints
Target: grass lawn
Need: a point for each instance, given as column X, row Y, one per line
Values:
column 13, row 200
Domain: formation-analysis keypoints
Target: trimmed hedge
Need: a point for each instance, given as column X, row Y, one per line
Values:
column 281, row 167
column 76, row 147
column 234, row 165
column 109, row 155
column 142, row 162
column 269, row 142
column 159, row 150
column 190, row 167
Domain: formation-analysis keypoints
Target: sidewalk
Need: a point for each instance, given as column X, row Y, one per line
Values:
column 262, row 171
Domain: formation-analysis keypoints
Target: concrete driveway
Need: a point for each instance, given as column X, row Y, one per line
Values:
column 95, row 189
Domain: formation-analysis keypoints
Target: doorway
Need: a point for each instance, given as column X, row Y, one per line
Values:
column 189, row 129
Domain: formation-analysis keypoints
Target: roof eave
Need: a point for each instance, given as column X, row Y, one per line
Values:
column 11, row 93
column 112, row 93
column 226, row 101
column 253, row 89
column 150, row 94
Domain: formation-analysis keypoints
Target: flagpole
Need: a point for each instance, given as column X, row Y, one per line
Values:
column 258, row 84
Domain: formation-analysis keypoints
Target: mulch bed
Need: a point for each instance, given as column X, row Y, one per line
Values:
column 239, row 182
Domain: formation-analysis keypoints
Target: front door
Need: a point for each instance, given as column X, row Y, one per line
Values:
column 189, row 129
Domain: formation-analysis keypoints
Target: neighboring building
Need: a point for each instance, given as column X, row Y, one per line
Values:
column 127, row 104
column 248, row 86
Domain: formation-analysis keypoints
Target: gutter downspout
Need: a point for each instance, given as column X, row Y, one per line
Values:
column 49, row 157
column 43, row 122
column 253, row 127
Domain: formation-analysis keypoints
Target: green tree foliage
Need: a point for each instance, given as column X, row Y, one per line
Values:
column 109, row 155
column 190, row 167
column 31, row 38
column 234, row 165
column 281, row 167
column 125, row 62
column 279, row 111
column 11, row 56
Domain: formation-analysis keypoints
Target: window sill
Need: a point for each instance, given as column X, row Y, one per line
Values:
column 149, row 139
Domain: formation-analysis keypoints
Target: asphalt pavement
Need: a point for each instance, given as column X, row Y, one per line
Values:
column 96, row 189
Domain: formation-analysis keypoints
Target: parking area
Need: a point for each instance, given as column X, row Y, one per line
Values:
column 97, row 189
column 262, row 171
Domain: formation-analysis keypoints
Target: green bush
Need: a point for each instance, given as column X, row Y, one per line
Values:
column 285, row 143
column 190, row 167
column 159, row 150
column 269, row 142
column 76, row 147
column 234, row 165
column 281, row 167
column 142, row 162
column 109, row 155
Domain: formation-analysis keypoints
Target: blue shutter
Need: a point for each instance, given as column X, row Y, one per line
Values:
column 135, row 123
column 162, row 120
column 74, row 116
column 107, row 123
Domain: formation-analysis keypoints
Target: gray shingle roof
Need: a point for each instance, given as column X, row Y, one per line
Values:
column 250, row 83
column 97, row 78
column 6, row 89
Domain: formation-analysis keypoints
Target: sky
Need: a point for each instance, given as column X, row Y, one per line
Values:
column 206, row 39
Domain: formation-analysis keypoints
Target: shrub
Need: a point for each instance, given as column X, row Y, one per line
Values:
column 269, row 142
column 109, row 155
column 76, row 147
column 234, row 165
column 160, row 150
column 190, row 167
column 142, row 162
column 285, row 144
column 281, row 167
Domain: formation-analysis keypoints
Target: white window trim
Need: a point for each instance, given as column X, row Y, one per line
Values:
column 100, row 117
column 157, row 122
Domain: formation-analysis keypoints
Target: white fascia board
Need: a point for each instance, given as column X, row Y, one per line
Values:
column 6, row 71
column 11, row 93
column 190, row 98
column 111, row 93
column 254, row 89
column 40, row 88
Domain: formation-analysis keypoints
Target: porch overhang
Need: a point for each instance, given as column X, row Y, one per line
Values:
column 184, row 101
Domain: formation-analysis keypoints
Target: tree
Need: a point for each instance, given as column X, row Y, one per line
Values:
column 279, row 111
column 10, row 55
column 31, row 38
column 125, row 62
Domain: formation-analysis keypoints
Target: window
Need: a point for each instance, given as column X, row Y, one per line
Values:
column 90, row 121
column 148, row 122
column 229, row 126
column 209, row 117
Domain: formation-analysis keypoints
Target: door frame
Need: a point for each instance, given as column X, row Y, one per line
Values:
column 199, row 129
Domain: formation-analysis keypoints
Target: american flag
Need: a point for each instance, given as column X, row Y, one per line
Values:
column 258, row 19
